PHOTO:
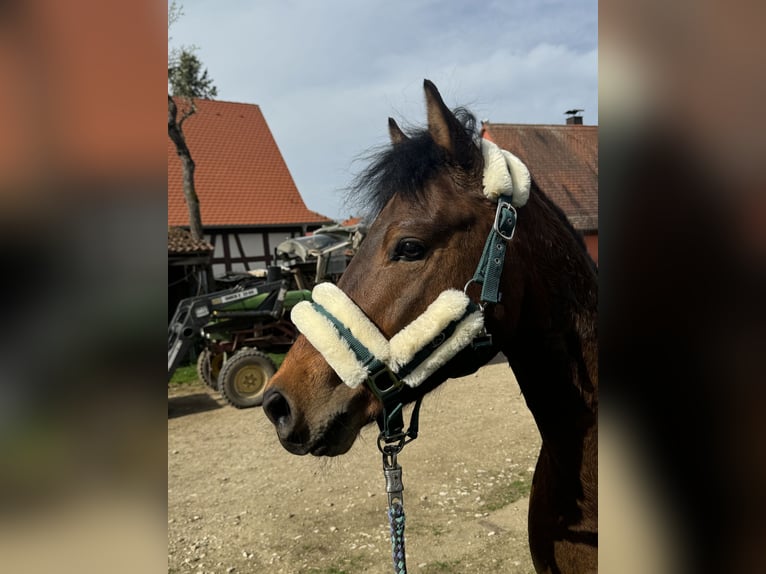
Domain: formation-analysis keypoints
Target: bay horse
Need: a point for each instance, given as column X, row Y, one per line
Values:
column 431, row 222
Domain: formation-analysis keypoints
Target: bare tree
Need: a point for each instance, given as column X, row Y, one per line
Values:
column 187, row 81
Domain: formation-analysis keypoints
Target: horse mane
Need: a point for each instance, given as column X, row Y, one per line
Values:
column 404, row 168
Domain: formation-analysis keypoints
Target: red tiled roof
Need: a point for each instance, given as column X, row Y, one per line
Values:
column 563, row 162
column 351, row 221
column 181, row 241
column 240, row 175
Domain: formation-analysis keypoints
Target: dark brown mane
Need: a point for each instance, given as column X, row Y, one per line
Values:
column 404, row 169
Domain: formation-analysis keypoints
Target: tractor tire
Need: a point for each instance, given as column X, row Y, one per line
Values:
column 209, row 367
column 244, row 376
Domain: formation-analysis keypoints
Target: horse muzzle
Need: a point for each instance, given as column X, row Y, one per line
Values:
column 291, row 429
column 331, row 432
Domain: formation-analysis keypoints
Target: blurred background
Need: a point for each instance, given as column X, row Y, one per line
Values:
column 682, row 281
column 82, row 225
column 682, row 277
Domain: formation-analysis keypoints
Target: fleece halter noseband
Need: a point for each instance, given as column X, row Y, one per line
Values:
column 359, row 353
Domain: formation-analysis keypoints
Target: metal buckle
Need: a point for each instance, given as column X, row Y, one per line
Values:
column 482, row 340
column 498, row 215
column 383, row 393
column 393, row 474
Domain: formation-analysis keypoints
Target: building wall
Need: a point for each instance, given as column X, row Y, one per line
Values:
column 591, row 243
column 238, row 250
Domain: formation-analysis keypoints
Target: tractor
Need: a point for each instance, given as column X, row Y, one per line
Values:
column 237, row 327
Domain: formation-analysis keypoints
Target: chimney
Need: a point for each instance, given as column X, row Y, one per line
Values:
column 484, row 133
column 574, row 118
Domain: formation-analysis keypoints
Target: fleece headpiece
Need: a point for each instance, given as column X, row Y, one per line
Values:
column 446, row 327
column 504, row 174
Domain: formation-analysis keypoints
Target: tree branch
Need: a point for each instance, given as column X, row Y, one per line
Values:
column 188, row 112
column 177, row 136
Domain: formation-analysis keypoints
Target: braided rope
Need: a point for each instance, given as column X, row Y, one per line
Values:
column 396, row 521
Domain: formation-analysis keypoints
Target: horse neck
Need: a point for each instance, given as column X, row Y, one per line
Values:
column 548, row 325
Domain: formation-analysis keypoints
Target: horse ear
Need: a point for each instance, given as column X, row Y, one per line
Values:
column 445, row 129
column 395, row 132
column 439, row 116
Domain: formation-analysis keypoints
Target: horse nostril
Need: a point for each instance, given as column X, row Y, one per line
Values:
column 277, row 408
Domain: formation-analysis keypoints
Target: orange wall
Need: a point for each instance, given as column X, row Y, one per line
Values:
column 591, row 243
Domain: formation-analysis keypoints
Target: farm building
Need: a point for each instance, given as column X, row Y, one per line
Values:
column 188, row 266
column 563, row 162
column 248, row 199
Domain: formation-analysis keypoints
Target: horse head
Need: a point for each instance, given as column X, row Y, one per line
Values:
column 432, row 220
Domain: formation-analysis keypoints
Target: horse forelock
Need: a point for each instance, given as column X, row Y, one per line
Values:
column 405, row 168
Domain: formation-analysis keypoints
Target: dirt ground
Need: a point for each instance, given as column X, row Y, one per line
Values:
column 239, row 503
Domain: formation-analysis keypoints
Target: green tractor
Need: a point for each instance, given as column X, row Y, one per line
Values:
column 237, row 327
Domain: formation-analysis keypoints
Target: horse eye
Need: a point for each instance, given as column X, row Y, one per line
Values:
column 410, row 250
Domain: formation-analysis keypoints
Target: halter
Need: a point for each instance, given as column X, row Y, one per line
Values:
column 359, row 353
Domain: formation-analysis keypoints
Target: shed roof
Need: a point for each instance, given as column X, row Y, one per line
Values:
column 240, row 175
column 563, row 162
column 180, row 241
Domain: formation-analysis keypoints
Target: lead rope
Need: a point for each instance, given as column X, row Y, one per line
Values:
column 393, row 473
column 391, row 441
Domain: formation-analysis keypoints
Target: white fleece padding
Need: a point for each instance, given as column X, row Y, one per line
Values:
column 460, row 339
column 336, row 351
column 346, row 311
column 449, row 306
column 504, row 174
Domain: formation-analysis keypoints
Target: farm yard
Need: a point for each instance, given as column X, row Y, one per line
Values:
column 239, row 503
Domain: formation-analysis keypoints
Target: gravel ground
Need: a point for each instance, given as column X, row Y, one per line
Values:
column 239, row 503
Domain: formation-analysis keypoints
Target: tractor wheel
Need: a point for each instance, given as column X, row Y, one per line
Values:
column 244, row 376
column 209, row 367
column 216, row 364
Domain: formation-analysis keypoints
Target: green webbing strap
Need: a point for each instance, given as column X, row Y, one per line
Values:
column 490, row 267
column 386, row 384
column 362, row 353
column 428, row 349
column 381, row 381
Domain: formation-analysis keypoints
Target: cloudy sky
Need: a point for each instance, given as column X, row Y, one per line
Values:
column 327, row 74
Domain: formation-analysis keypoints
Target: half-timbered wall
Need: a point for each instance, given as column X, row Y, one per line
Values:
column 245, row 250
